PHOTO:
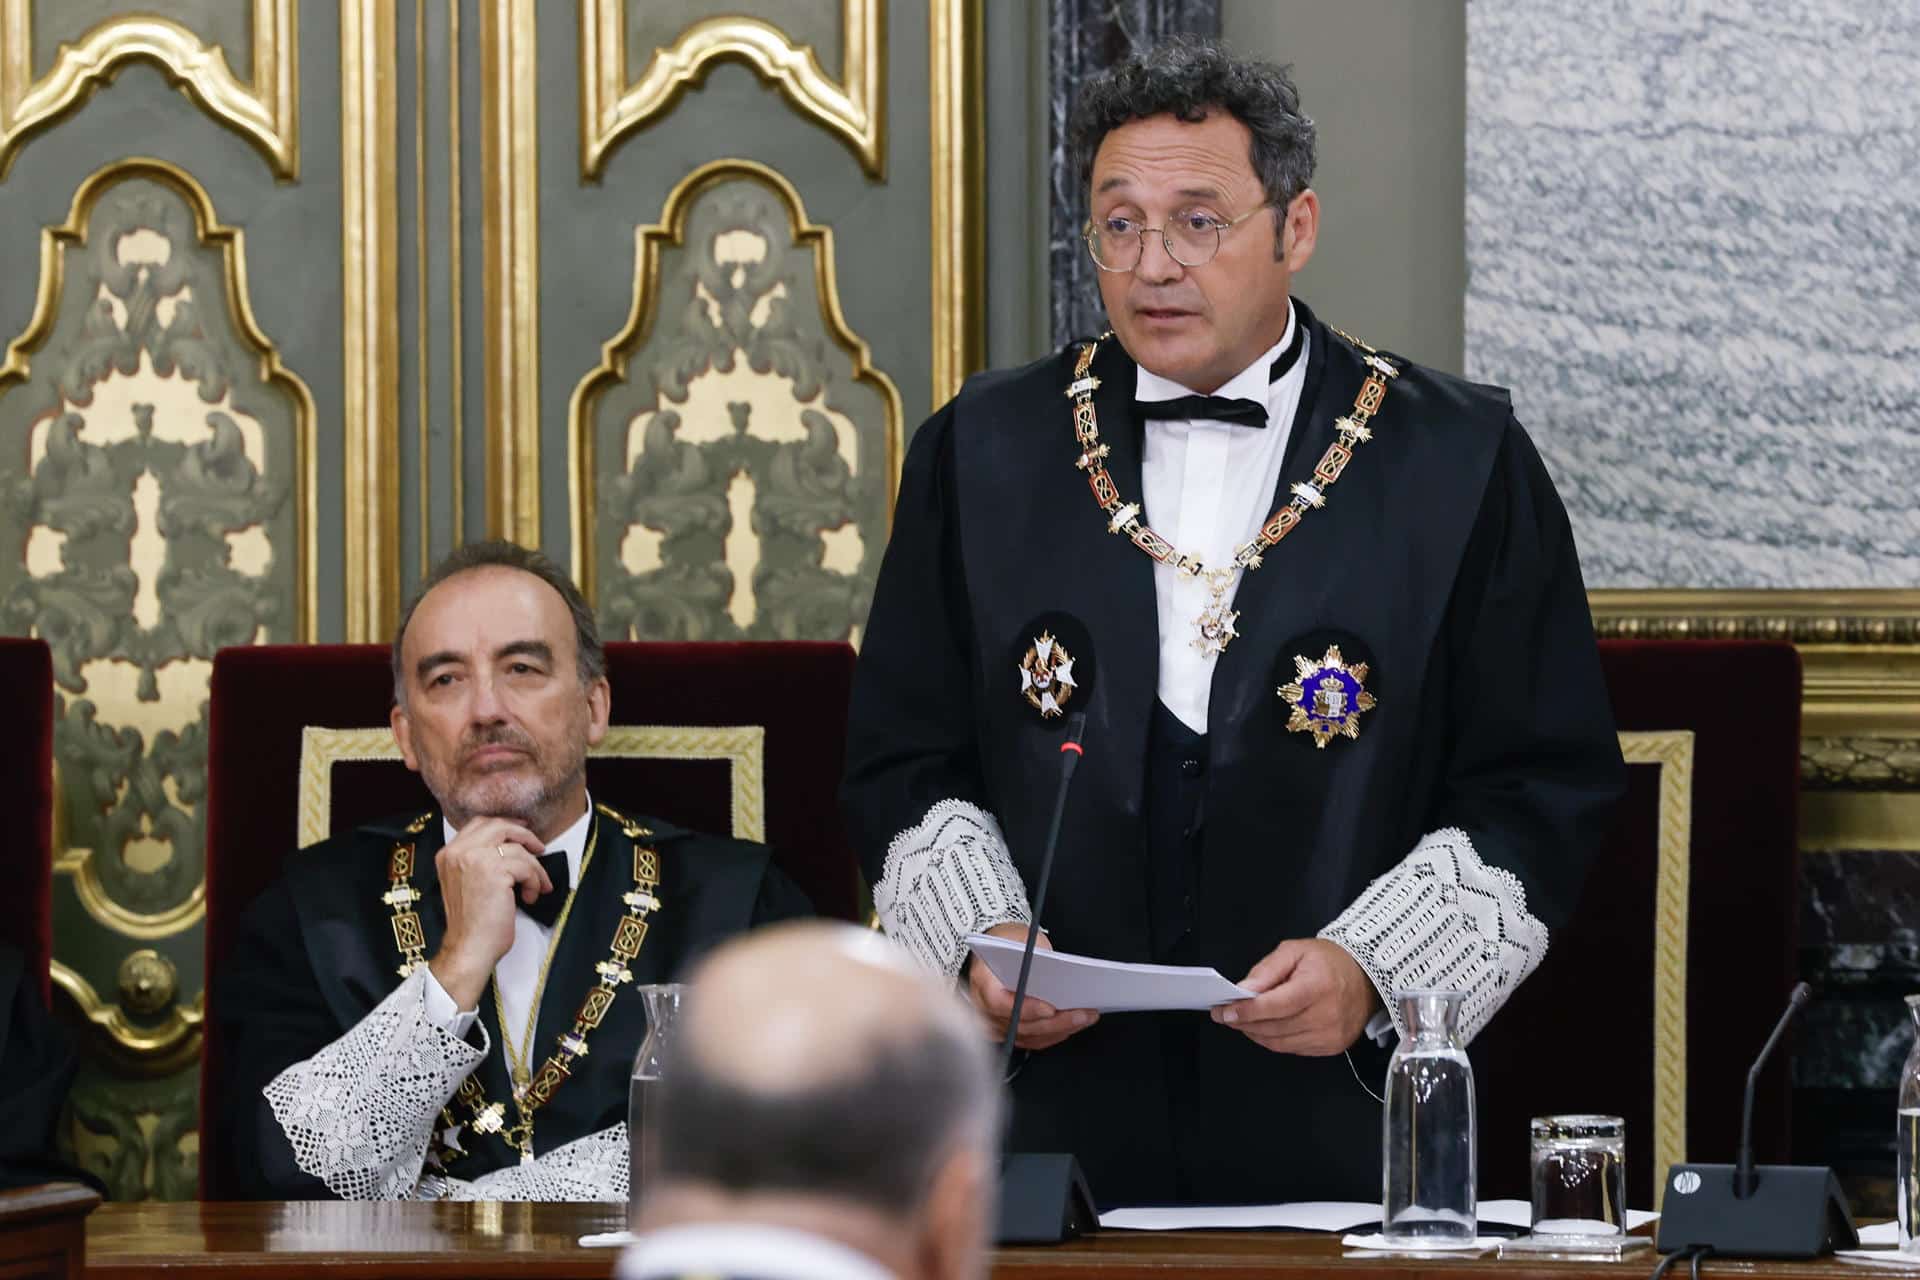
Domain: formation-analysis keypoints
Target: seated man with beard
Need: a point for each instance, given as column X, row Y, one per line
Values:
column 442, row 1004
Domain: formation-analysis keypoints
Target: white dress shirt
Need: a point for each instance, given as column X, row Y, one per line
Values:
column 729, row 1249
column 519, row 969
column 1207, row 487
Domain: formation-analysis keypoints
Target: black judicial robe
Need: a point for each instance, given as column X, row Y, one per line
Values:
column 316, row 954
column 37, row 1066
column 1443, row 558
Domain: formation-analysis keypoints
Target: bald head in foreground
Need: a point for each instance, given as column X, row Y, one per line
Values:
column 829, row 1110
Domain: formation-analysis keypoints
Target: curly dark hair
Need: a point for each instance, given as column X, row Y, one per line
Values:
column 1188, row 77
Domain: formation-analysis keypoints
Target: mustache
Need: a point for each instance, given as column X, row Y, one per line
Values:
column 495, row 736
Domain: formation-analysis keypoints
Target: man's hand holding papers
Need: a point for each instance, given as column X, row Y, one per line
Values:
column 1084, row 985
column 1041, row 1024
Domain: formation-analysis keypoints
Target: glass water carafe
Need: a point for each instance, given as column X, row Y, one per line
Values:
column 1907, row 1141
column 664, row 1001
column 1428, row 1132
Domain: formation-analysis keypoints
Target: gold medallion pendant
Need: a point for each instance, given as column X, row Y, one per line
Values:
column 1328, row 698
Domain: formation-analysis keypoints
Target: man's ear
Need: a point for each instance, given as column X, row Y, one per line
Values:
column 956, row 1226
column 599, row 708
column 1300, row 230
column 403, row 734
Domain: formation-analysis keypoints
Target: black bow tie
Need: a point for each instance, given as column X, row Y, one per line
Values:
column 1245, row 413
column 546, row 907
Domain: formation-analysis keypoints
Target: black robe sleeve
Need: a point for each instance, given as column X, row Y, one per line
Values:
column 910, row 741
column 780, row 899
column 1531, row 763
column 271, row 1016
column 37, row 1067
column 915, row 796
column 1535, row 765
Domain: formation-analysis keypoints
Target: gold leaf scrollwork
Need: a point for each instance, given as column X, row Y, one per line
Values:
column 761, row 442
column 610, row 108
column 153, row 1050
column 267, row 114
column 167, row 510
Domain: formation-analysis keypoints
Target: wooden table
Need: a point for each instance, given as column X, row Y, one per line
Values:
column 43, row 1231
column 362, row 1241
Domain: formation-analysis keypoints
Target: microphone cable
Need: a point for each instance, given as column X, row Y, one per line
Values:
column 1694, row 1254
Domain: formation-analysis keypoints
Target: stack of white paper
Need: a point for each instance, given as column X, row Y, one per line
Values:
column 1081, row 982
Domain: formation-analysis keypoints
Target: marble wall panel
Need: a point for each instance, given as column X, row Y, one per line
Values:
column 1085, row 36
column 1860, row 949
column 1693, row 246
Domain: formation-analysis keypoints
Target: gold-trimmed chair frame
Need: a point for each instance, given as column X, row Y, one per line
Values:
column 1671, row 751
column 742, row 747
column 1859, row 649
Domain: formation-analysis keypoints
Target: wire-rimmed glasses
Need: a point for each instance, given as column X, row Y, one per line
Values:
column 1191, row 236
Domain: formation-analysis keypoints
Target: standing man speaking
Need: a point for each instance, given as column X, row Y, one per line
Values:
column 1346, row 729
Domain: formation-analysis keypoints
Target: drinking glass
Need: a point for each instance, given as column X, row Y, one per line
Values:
column 1579, row 1176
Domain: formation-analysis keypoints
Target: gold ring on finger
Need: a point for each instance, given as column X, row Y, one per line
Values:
column 500, row 849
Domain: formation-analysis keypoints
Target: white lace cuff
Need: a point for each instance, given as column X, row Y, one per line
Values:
column 359, row 1114
column 1442, row 918
column 589, row 1168
column 946, row 877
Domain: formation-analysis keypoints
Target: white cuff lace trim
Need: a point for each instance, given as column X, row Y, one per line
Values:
column 1442, row 918
column 589, row 1168
column 946, row 877
column 359, row 1114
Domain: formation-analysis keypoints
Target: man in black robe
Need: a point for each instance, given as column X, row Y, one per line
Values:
column 443, row 1005
column 1345, row 730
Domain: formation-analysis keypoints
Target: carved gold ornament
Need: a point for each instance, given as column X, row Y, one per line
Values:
column 267, row 114
column 851, row 109
column 761, row 443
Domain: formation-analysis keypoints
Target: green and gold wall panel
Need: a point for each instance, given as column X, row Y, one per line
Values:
column 175, row 221
column 301, row 294
column 758, row 271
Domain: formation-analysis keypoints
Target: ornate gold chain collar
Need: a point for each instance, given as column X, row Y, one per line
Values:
column 571, row 1045
column 1214, row 628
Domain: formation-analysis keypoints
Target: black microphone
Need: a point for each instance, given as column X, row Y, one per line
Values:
column 1070, row 753
column 1768, row 1211
column 1743, row 1168
column 1043, row 1195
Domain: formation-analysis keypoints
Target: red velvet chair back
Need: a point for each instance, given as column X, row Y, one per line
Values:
column 1653, row 1002
column 266, row 697
column 26, row 797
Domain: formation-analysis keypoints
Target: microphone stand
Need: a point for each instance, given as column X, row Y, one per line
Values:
column 1043, row 1196
column 1072, row 750
column 1738, row 1210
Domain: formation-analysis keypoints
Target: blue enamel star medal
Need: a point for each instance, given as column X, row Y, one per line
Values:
column 1328, row 697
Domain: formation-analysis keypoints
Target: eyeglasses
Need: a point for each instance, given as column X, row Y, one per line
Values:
column 1192, row 238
